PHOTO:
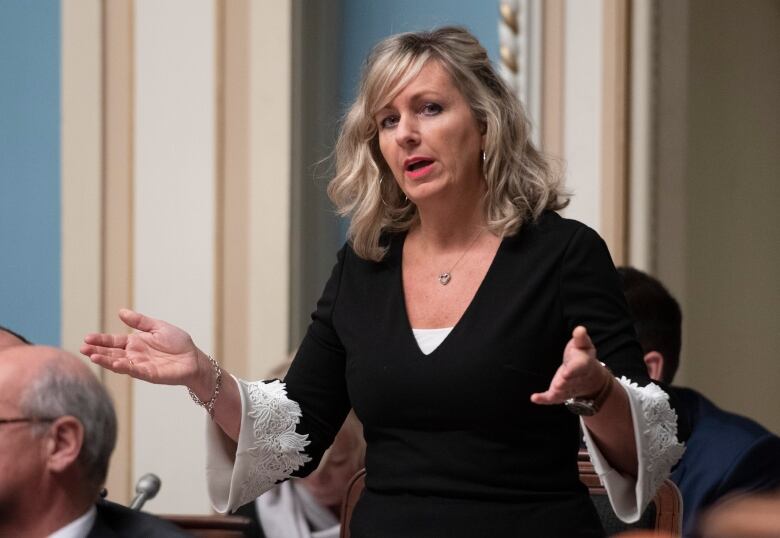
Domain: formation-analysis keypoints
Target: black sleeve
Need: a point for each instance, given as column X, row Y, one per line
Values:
column 316, row 379
column 592, row 296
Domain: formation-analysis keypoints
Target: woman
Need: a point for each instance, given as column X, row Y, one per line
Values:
column 460, row 314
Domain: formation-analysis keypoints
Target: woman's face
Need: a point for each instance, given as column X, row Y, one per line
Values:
column 431, row 140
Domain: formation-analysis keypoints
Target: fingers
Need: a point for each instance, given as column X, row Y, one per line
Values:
column 138, row 321
column 562, row 387
column 566, row 383
column 110, row 352
column 117, row 365
column 548, row 397
column 575, row 375
column 580, row 338
column 106, row 340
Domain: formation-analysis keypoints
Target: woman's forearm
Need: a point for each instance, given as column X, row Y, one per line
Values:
column 612, row 429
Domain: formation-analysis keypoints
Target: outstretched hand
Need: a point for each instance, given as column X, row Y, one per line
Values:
column 579, row 374
column 159, row 352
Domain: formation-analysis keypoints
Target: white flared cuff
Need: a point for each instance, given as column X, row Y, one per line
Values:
column 655, row 433
column 269, row 449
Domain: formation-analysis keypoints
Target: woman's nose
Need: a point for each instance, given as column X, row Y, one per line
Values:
column 407, row 132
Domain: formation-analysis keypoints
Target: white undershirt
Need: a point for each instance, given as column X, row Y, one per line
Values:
column 430, row 339
column 78, row 528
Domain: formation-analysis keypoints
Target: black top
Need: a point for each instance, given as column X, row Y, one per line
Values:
column 455, row 446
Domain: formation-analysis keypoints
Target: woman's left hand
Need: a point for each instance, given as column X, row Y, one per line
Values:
column 580, row 373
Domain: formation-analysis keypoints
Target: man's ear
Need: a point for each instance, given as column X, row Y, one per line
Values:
column 66, row 436
column 655, row 365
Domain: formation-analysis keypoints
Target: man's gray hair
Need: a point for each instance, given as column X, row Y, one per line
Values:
column 59, row 392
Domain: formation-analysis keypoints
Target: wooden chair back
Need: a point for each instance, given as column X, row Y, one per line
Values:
column 355, row 487
column 663, row 514
column 215, row 526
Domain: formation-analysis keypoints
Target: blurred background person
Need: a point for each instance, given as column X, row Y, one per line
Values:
column 755, row 515
column 310, row 507
column 726, row 452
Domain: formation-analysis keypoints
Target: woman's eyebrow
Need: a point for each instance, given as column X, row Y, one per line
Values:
column 426, row 94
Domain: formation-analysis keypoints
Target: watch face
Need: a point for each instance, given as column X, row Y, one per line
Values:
column 581, row 407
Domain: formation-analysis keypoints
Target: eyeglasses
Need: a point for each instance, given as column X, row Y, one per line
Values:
column 26, row 419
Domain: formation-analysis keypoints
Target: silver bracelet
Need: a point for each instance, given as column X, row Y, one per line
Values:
column 209, row 406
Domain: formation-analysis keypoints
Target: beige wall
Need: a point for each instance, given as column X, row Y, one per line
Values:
column 150, row 117
column 582, row 105
column 590, row 134
column 81, row 125
column 174, row 229
column 732, row 299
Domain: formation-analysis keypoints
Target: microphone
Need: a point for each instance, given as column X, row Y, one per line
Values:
column 146, row 488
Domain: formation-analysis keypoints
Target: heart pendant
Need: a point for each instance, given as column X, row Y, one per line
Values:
column 444, row 279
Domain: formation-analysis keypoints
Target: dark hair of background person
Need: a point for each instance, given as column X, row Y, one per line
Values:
column 15, row 334
column 657, row 317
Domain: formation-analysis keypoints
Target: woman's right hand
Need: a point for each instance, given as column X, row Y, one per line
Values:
column 159, row 353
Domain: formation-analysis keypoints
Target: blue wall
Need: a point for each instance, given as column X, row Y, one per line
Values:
column 368, row 21
column 30, row 168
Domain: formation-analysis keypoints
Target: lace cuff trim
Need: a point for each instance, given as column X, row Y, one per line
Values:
column 660, row 447
column 655, row 432
column 275, row 450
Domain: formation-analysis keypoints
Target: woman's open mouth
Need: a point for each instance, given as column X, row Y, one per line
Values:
column 418, row 168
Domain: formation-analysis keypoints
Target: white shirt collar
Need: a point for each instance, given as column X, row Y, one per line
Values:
column 78, row 528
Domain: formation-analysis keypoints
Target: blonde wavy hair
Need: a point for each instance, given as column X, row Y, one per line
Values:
column 520, row 182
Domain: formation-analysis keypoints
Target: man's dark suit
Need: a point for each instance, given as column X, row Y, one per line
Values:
column 725, row 453
column 114, row 520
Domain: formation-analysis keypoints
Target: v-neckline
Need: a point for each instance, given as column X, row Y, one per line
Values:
column 455, row 327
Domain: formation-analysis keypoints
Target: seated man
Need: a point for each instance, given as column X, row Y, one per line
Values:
column 58, row 432
column 725, row 453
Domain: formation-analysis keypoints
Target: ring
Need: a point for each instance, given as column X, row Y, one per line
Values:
column 131, row 362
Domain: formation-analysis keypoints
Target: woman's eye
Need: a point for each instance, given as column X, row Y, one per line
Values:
column 431, row 109
column 388, row 121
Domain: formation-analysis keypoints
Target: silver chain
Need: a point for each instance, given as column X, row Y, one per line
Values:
column 446, row 276
column 209, row 406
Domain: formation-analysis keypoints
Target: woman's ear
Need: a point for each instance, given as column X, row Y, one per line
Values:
column 66, row 436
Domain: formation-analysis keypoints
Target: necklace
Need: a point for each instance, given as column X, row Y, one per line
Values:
column 446, row 276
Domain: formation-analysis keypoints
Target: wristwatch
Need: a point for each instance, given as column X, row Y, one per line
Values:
column 587, row 406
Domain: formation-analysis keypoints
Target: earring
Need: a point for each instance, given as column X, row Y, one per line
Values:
column 382, row 197
column 388, row 206
column 483, row 156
